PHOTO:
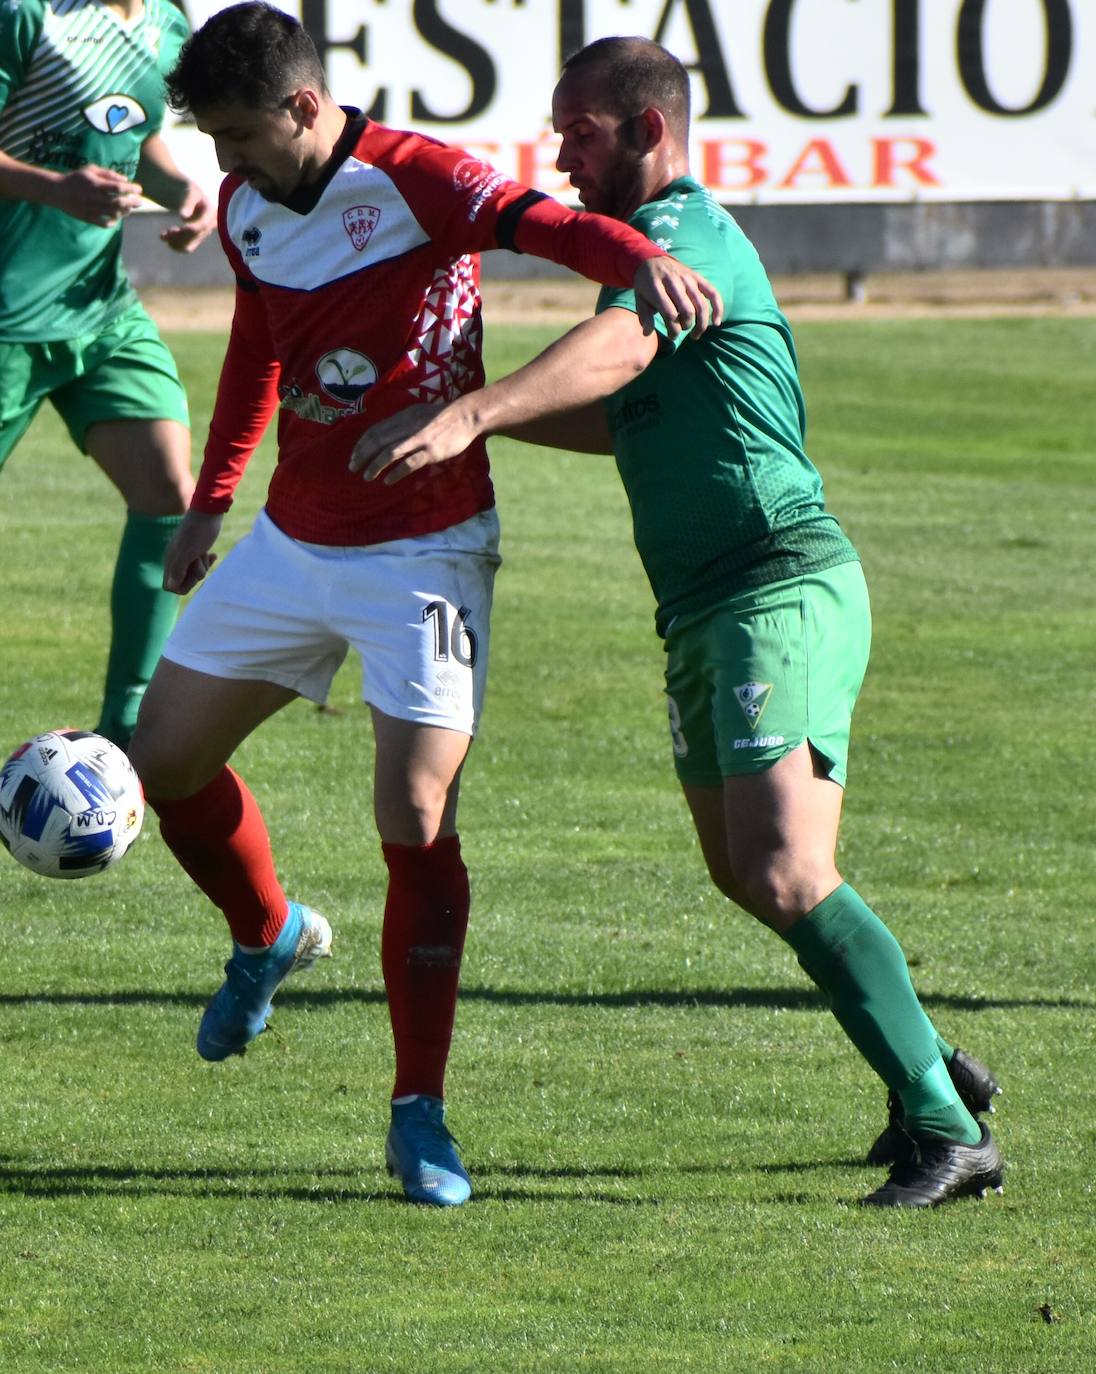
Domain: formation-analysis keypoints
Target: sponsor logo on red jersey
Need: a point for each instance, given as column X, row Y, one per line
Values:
column 479, row 178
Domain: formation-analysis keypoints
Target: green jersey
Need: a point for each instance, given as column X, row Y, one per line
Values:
column 78, row 86
column 709, row 439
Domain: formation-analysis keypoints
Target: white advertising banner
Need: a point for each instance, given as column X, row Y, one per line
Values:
column 793, row 100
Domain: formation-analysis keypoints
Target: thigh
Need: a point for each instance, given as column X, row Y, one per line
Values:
column 26, row 378
column 147, row 460
column 126, row 373
column 837, row 628
column 708, row 810
column 260, row 617
column 423, row 628
column 190, row 725
column 416, row 779
column 736, row 684
column 769, row 838
column 767, row 672
column 791, row 808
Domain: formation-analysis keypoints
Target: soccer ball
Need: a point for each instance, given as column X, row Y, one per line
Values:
column 70, row 804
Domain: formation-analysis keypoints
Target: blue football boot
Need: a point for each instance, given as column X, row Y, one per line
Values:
column 240, row 1006
column 422, row 1154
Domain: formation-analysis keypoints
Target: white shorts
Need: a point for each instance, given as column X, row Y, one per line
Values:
column 416, row 610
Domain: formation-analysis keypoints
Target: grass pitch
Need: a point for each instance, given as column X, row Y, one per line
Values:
column 662, row 1122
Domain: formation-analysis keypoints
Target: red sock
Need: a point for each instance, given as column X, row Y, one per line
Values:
column 219, row 836
column 425, row 921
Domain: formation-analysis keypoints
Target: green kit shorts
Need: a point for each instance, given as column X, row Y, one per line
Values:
column 124, row 372
column 748, row 681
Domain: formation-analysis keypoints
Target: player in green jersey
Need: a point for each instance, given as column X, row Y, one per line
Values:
column 761, row 600
column 81, row 105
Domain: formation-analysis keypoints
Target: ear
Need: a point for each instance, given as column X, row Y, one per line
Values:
column 305, row 104
column 651, row 130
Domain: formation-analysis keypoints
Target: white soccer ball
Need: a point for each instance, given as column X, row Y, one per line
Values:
column 70, row 804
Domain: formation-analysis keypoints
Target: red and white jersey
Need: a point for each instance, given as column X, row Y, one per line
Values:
column 358, row 297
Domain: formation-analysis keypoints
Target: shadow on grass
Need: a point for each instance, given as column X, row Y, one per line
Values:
column 20, row 1177
column 269, row 1185
column 777, row 999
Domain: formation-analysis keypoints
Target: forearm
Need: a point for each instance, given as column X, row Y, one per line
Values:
column 584, row 430
column 545, row 402
column 602, row 249
column 159, row 176
column 247, row 397
column 590, row 362
column 23, row 181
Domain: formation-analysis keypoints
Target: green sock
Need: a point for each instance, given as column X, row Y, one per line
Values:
column 142, row 615
column 852, row 956
column 947, row 1052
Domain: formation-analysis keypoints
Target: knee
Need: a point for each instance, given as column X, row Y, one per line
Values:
column 164, row 490
column 163, row 778
column 167, row 772
column 414, row 815
column 724, row 880
column 780, row 892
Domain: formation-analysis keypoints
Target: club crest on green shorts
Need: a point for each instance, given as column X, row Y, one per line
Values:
column 753, row 697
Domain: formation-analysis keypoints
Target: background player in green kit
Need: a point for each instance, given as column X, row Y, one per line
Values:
column 761, row 600
column 81, row 104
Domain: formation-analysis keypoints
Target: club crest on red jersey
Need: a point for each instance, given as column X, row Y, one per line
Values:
column 359, row 222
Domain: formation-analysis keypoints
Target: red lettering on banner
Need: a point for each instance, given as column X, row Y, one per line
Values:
column 887, row 161
column 720, row 157
column 818, row 158
column 536, row 166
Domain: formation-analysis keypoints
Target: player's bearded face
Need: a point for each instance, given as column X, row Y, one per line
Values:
column 597, row 153
column 264, row 147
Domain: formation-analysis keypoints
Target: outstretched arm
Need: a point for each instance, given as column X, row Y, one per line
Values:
column 583, row 430
column 609, row 251
column 589, row 363
column 164, row 183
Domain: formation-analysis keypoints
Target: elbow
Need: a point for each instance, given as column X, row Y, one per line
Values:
column 640, row 356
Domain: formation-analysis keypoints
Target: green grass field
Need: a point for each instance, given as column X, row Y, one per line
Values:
column 662, row 1121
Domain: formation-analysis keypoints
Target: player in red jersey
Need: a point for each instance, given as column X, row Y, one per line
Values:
column 354, row 250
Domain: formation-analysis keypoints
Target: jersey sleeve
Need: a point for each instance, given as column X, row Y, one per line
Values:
column 247, row 392
column 692, row 241
column 466, row 206
column 247, row 397
column 20, row 26
column 594, row 246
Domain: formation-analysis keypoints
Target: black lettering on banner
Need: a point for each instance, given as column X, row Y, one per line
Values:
column 475, row 60
column 776, row 46
column 572, row 28
column 710, row 64
column 907, row 59
column 970, row 38
column 314, row 23
column 460, row 642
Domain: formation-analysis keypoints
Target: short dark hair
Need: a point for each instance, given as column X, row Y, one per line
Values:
column 636, row 74
column 250, row 53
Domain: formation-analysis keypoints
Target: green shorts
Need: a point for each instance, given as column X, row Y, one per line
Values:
column 750, row 680
column 123, row 372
